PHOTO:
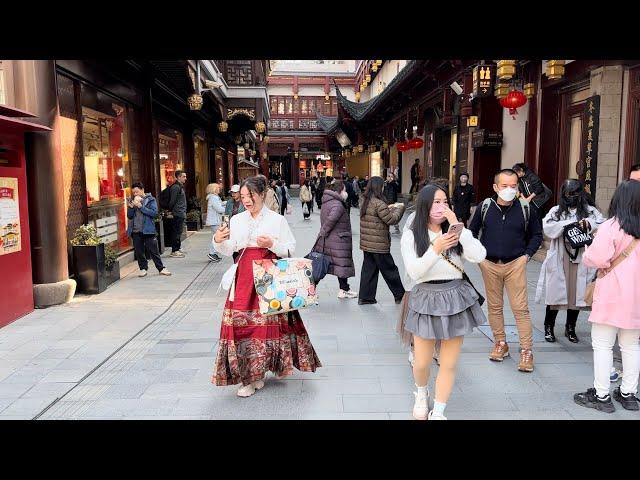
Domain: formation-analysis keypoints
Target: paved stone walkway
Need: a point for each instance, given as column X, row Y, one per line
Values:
column 145, row 348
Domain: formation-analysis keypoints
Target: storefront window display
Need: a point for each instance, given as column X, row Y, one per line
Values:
column 171, row 155
column 106, row 165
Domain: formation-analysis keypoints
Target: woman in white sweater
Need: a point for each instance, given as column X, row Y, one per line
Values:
column 442, row 305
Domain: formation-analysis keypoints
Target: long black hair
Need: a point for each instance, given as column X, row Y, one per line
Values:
column 625, row 207
column 573, row 187
column 373, row 190
column 420, row 225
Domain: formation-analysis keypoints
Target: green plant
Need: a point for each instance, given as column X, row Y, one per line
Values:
column 110, row 257
column 193, row 216
column 85, row 235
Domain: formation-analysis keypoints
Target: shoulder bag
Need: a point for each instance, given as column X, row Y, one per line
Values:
column 591, row 287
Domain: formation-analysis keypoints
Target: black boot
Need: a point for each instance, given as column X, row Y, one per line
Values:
column 570, row 333
column 548, row 333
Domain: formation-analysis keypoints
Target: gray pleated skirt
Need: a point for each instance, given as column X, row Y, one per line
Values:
column 440, row 311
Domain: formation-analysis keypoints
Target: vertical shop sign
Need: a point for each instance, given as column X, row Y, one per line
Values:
column 10, row 241
column 590, row 142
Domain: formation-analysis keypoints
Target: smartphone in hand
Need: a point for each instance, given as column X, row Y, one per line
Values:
column 225, row 221
column 456, row 228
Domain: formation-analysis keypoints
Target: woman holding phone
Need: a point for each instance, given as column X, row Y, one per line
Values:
column 442, row 305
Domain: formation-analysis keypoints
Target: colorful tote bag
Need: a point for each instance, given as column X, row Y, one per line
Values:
column 284, row 285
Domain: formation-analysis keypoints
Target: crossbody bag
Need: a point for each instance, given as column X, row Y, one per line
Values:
column 465, row 277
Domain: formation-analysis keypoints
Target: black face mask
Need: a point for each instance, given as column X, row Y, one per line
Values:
column 572, row 202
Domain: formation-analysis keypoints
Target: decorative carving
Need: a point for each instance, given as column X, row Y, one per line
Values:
column 239, row 72
column 249, row 112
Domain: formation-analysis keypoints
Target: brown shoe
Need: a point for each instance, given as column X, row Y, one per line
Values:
column 500, row 352
column 526, row 361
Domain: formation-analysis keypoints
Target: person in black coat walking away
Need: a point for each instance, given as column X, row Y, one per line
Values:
column 334, row 238
column 532, row 189
column 313, row 186
column 390, row 193
column 322, row 184
column 463, row 198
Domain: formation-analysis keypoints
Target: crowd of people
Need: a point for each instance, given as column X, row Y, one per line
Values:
column 439, row 303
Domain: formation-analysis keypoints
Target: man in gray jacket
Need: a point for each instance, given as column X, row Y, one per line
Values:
column 178, row 207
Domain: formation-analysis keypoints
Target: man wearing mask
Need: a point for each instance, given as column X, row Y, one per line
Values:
column 463, row 197
column 511, row 232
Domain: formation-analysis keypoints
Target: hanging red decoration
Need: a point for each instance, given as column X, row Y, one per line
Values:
column 514, row 100
column 416, row 143
column 402, row 146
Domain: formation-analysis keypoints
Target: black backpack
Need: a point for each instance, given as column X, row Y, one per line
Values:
column 164, row 199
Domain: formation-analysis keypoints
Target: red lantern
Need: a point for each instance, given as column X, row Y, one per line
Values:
column 514, row 100
column 402, row 146
column 416, row 143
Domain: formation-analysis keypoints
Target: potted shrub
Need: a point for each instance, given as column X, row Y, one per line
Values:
column 111, row 265
column 89, row 260
column 193, row 220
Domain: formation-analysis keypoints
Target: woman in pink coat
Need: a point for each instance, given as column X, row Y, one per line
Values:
column 616, row 302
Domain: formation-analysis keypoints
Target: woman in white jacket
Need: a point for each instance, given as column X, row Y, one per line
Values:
column 565, row 274
column 442, row 305
column 215, row 208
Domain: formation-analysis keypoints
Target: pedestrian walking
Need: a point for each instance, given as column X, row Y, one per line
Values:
column 534, row 191
column 357, row 191
column 307, row 200
column 511, row 234
column 390, row 192
column 234, row 204
column 178, row 209
column 442, row 306
column 271, row 198
column 283, row 196
column 463, row 198
column 313, row 186
column 322, row 184
column 141, row 212
column 251, row 344
column 351, row 194
column 334, row 237
column 214, row 210
column 563, row 271
column 375, row 241
column 615, row 251
column 415, row 176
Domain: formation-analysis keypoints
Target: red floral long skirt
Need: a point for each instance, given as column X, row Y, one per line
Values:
column 251, row 343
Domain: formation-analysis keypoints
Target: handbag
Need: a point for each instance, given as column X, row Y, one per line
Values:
column 320, row 262
column 591, row 286
column 305, row 209
column 465, row 277
column 284, row 285
column 575, row 238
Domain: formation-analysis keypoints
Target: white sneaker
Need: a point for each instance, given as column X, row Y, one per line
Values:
column 248, row 390
column 433, row 416
column 421, row 405
column 349, row 294
column 177, row 254
column 143, row 273
column 411, row 358
column 164, row 271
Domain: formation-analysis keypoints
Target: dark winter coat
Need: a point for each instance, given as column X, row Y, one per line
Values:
column 374, row 225
column 334, row 238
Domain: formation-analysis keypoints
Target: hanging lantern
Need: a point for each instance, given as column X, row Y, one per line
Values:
column 260, row 127
column 374, row 67
column 296, row 154
column 529, row 90
column 367, row 78
column 416, row 142
column 379, row 63
column 195, row 101
column 555, row 69
column 402, row 146
column 326, row 99
column 357, row 96
column 223, row 127
column 295, row 96
column 265, row 155
column 501, row 90
column 514, row 100
column 506, row 69
column 266, row 139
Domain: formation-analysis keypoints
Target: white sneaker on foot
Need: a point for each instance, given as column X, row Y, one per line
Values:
column 433, row 416
column 164, row 271
column 421, row 405
column 349, row 294
column 177, row 254
column 143, row 273
column 248, row 390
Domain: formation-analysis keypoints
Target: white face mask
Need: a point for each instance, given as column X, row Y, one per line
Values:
column 344, row 195
column 508, row 194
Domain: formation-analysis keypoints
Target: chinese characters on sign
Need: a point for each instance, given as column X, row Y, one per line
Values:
column 9, row 216
column 590, row 142
column 483, row 76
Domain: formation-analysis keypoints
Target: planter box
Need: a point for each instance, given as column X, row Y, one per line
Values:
column 193, row 226
column 113, row 275
column 89, row 268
